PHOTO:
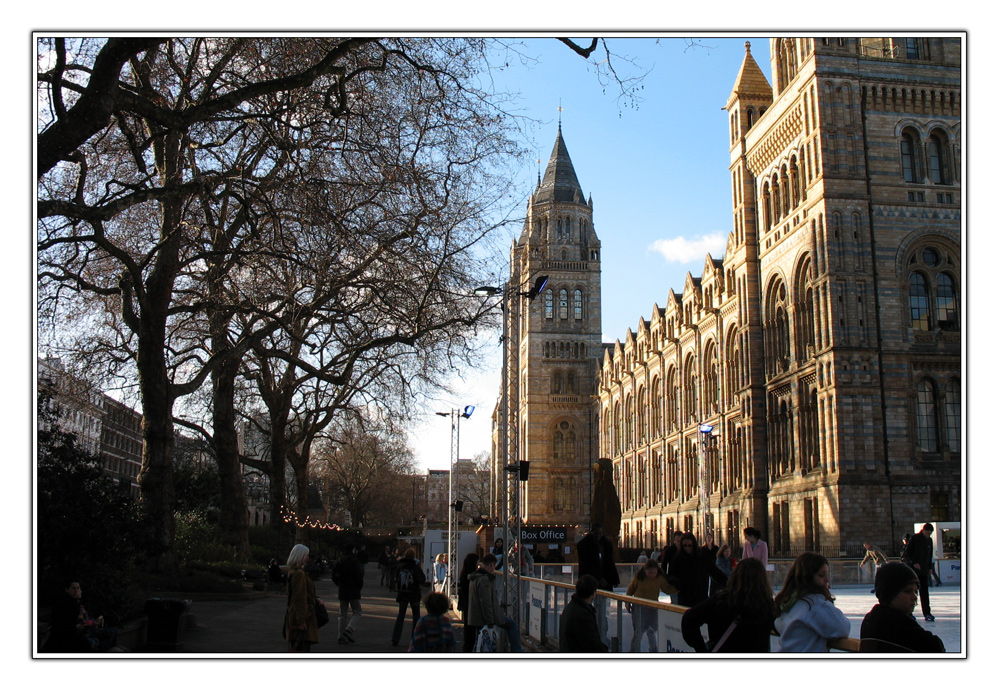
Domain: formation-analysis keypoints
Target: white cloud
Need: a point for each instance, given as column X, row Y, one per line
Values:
column 683, row 251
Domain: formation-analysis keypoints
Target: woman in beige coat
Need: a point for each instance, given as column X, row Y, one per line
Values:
column 300, row 627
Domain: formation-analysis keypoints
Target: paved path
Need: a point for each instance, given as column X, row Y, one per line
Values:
column 253, row 627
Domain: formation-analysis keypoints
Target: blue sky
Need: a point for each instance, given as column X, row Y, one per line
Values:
column 657, row 173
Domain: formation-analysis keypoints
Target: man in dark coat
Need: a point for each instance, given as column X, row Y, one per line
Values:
column 596, row 559
column 348, row 574
column 918, row 555
column 578, row 631
column 891, row 621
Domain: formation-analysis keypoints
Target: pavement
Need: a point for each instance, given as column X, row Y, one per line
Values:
column 252, row 627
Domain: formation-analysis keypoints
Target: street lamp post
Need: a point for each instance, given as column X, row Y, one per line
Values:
column 705, row 520
column 511, row 295
column 452, row 503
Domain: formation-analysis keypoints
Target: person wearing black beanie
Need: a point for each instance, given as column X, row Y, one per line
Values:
column 891, row 620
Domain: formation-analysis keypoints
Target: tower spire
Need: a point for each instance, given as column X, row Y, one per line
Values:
column 560, row 182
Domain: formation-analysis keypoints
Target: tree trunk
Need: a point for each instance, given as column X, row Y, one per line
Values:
column 232, row 520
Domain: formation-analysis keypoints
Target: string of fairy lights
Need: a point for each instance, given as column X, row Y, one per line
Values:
column 291, row 517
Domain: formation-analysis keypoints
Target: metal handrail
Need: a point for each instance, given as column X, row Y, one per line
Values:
column 844, row 644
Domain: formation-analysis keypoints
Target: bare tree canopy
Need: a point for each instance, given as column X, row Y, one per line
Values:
column 243, row 186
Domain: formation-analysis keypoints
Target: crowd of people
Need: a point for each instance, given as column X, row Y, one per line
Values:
column 732, row 598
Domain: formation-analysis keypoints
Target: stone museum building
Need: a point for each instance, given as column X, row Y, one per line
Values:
column 807, row 383
column 554, row 345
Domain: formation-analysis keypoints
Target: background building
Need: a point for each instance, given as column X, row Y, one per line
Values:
column 808, row 383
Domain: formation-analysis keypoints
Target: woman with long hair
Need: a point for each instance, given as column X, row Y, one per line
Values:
column 647, row 583
column 440, row 568
column 300, row 627
column 808, row 618
column 691, row 573
column 739, row 618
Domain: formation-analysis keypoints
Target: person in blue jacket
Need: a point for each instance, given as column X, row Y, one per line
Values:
column 808, row 618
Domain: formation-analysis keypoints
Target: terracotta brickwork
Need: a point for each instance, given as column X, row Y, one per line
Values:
column 823, row 350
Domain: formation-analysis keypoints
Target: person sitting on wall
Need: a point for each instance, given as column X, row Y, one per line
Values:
column 73, row 630
column 578, row 631
column 891, row 620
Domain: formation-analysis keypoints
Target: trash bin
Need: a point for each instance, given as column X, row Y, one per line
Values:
column 166, row 623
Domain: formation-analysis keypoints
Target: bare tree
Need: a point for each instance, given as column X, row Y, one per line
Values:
column 173, row 173
column 475, row 486
column 363, row 466
column 156, row 212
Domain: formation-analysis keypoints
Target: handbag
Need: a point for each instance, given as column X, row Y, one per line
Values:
column 321, row 615
column 488, row 639
column 725, row 636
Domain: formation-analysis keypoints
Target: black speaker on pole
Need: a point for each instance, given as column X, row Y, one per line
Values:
column 524, row 470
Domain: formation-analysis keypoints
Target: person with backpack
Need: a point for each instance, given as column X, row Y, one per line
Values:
column 348, row 575
column 409, row 579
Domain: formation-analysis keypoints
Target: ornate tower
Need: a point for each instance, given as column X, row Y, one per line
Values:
column 559, row 338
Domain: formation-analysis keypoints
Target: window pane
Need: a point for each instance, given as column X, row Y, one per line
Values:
column 577, row 305
column 953, row 415
column 927, row 437
column 946, row 309
column 935, row 165
column 918, row 301
column 908, row 158
column 563, row 304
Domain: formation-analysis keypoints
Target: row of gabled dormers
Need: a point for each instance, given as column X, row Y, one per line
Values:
column 683, row 315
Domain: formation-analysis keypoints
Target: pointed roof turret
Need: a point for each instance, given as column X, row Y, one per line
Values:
column 560, row 182
column 751, row 83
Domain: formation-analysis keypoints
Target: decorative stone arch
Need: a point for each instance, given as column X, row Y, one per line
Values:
column 776, row 324
column 565, row 436
column 805, row 315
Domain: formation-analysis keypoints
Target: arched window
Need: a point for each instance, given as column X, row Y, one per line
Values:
column 933, row 293
column 928, row 438
column 548, row 304
column 557, row 383
column 776, row 330
column 577, row 304
column 936, row 150
column 618, row 431
column 559, row 445
column 656, row 410
column 910, row 168
column 672, row 401
column 563, row 304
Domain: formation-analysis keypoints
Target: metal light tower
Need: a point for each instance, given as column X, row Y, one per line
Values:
column 512, row 294
column 705, row 519
column 452, row 487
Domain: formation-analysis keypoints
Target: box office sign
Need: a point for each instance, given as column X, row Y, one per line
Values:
column 549, row 535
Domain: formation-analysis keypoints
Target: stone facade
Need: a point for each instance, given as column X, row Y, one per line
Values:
column 558, row 339
column 808, row 383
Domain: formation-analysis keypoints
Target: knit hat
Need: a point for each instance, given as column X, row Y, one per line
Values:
column 891, row 579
